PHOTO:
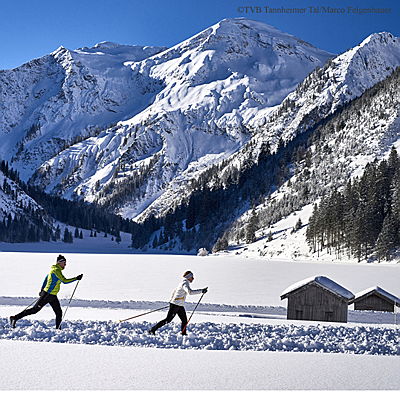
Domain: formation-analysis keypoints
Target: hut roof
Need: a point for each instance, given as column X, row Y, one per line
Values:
column 376, row 289
column 323, row 282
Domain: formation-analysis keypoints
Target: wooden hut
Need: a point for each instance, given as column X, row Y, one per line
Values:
column 317, row 299
column 376, row 299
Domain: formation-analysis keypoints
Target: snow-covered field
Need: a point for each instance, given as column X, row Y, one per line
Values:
column 105, row 367
column 240, row 328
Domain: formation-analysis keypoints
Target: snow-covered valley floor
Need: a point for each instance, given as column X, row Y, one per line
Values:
column 240, row 331
column 112, row 367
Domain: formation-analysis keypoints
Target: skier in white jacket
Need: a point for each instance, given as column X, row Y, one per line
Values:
column 176, row 304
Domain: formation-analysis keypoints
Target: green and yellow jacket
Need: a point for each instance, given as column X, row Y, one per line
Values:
column 53, row 280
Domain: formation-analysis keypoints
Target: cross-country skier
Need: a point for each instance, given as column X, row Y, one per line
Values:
column 48, row 293
column 177, row 301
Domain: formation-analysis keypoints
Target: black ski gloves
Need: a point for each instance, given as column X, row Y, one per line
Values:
column 205, row 290
column 79, row 277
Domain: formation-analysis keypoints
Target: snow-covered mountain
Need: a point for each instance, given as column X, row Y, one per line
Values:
column 179, row 111
column 354, row 137
column 322, row 93
column 341, row 80
column 22, row 219
column 360, row 133
column 52, row 102
column 137, row 128
column 13, row 200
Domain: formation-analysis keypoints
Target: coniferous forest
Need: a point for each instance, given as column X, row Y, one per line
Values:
column 35, row 224
column 363, row 221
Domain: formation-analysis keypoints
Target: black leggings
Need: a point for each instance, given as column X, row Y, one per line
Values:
column 45, row 298
column 173, row 310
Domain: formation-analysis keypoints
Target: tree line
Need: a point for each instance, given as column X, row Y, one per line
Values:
column 209, row 211
column 363, row 221
column 325, row 162
column 32, row 224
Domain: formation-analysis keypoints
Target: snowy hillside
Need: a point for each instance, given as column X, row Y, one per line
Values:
column 341, row 80
column 12, row 198
column 56, row 100
column 21, row 217
column 368, row 129
column 324, row 91
column 186, row 108
column 319, row 96
column 151, row 133
column 337, row 120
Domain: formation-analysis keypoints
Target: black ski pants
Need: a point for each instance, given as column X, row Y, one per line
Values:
column 45, row 298
column 173, row 310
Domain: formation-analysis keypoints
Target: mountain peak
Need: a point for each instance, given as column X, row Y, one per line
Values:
column 374, row 59
column 62, row 54
column 59, row 50
column 382, row 38
column 263, row 31
column 242, row 22
column 240, row 38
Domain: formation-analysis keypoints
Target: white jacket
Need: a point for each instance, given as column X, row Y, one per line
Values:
column 179, row 295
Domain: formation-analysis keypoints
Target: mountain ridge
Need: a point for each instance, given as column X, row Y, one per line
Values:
column 200, row 93
column 143, row 130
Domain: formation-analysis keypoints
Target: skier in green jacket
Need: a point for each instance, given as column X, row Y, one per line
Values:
column 48, row 293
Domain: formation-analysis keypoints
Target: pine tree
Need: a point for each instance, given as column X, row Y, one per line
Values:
column 67, row 236
column 221, row 244
column 311, row 232
column 387, row 239
column 393, row 162
column 251, row 227
column 395, row 195
column 155, row 242
column 298, row 225
column 57, row 233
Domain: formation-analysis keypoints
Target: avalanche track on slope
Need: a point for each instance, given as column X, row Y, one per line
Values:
column 213, row 336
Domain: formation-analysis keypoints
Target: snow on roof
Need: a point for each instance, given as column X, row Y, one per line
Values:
column 322, row 281
column 379, row 290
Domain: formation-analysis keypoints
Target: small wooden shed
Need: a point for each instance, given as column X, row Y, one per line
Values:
column 317, row 298
column 376, row 299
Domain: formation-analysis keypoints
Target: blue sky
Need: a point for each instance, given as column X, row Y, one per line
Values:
column 31, row 29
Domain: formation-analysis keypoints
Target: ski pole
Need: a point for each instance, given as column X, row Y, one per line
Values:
column 148, row 312
column 187, row 323
column 77, row 283
column 34, row 301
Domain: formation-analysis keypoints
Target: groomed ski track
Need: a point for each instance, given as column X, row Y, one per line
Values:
column 279, row 335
